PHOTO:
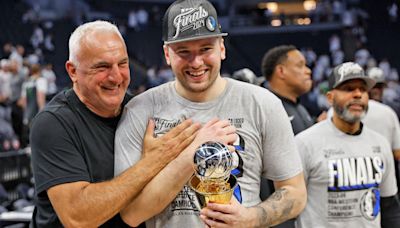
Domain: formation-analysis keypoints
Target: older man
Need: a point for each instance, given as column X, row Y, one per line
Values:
column 348, row 168
column 72, row 139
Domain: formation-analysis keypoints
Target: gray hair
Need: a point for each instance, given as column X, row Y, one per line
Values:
column 81, row 31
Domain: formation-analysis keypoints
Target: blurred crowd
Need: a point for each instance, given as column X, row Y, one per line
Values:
column 25, row 87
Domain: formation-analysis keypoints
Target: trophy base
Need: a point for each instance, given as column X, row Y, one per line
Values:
column 223, row 197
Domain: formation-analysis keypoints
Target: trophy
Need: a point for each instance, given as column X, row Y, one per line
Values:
column 213, row 181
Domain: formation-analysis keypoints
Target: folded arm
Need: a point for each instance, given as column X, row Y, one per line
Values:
column 84, row 204
column 170, row 181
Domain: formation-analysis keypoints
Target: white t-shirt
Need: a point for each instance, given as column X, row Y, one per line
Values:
column 382, row 119
column 261, row 122
column 345, row 176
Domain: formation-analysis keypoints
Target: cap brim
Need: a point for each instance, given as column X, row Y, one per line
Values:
column 369, row 81
column 195, row 38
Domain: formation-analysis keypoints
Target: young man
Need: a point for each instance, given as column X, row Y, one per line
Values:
column 194, row 48
column 348, row 168
column 72, row 139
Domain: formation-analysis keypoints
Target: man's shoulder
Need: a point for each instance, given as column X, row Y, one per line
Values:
column 315, row 132
column 58, row 107
column 373, row 135
column 375, row 106
column 152, row 95
column 254, row 91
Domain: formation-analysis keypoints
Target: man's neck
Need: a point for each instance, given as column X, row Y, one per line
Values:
column 100, row 112
column 346, row 127
column 214, row 91
column 283, row 92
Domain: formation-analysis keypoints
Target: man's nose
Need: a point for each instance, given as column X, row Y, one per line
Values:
column 196, row 61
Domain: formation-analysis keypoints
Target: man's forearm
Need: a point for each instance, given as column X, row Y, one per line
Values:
column 161, row 190
column 285, row 203
column 98, row 202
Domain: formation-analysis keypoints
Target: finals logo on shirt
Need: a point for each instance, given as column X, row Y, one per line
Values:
column 353, row 188
column 164, row 125
column 347, row 174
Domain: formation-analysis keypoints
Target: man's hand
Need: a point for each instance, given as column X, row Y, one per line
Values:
column 217, row 131
column 172, row 143
column 228, row 215
column 285, row 203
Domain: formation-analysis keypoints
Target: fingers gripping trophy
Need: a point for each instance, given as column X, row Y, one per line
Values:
column 213, row 181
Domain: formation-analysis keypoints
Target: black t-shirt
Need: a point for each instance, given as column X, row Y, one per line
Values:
column 70, row 143
column 298, row 115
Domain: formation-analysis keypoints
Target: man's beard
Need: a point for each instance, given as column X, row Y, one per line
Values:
column 345, row 114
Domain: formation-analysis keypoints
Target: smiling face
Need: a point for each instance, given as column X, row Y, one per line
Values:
column 196, row 65
column 350, row 100
column 101, row 75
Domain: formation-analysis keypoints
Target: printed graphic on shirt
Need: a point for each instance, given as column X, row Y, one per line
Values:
column 164, row 125
column 353, row 189
column 185, row 203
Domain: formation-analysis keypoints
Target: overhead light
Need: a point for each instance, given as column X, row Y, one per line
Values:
column 309, row 5
column 276, row 22
column 272, row 6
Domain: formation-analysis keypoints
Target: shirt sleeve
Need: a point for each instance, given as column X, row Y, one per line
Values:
column 55, row 154
column 388, row 186
column 129, row 135
column 281, row 158
column 304, row 155
column 41, row 85
column 395, row 131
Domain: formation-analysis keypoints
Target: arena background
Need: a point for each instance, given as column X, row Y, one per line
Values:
column 328, row 32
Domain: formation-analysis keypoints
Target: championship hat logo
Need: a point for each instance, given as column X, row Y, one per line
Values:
column 187, row 20
column 349, row 68
column 211, row 23
column 190, row 18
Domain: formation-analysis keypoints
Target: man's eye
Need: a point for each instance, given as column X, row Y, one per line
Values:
column 124, row 64
column 183, row 52
column 101, row 68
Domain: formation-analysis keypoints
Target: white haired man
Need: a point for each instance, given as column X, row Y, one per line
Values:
column 72, row 139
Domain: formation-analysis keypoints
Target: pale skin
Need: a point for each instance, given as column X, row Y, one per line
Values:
column 164, row 187
column 84, row 204
column 100, row 81
column 196, row 65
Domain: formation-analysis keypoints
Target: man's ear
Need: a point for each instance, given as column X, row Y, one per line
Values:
column 71, row 70
column 166, row 54
column 223, row 50
column 280, row 71
column 329, row 97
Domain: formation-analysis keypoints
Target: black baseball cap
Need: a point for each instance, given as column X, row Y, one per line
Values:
column 187, row 20
column 348, row 71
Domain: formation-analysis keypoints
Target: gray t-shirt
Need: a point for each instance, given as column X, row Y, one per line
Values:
column 382, row 119
column 345, row 176
column 261, row 122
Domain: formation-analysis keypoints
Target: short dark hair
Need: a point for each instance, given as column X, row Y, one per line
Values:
column 273, row 57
